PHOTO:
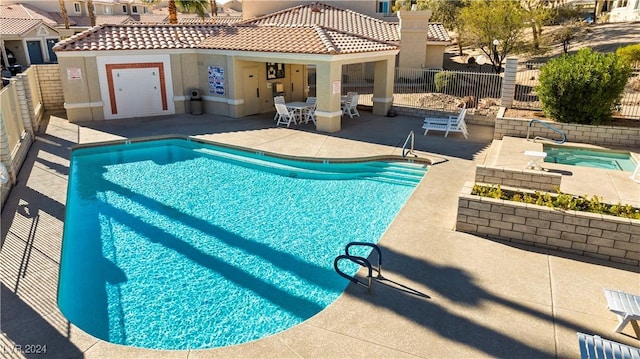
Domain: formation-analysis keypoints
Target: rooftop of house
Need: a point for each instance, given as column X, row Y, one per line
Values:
column 312, row 39
column 25, row 11
column 17, row 27
column 318, row 13
column 315, row 13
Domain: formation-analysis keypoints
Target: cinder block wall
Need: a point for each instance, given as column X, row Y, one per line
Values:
column 597, row 135
column 608, row 238
column 529, row 179
column 50, row 87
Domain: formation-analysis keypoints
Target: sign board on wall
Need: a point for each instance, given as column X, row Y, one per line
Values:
column 74, row 73
column 337, row 87
column 275, row 71
column 216, row 80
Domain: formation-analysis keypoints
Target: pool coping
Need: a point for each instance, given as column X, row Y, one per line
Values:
column 394, row 158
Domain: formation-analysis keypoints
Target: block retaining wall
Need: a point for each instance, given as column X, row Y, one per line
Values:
column 609, row 238
column 529, row 179
column 596, row 135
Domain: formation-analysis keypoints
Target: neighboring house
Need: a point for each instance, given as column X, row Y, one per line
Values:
column 30, row 41
column 625, row 11
column 381, row 9
column 617, row 10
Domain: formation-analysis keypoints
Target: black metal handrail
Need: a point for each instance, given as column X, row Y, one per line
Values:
column 377, row 249
column 358, row 260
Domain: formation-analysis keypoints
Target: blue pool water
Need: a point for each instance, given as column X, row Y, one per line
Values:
column 574, row 156
column 175, row 244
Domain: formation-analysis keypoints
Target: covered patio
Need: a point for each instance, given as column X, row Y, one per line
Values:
column 145, row 70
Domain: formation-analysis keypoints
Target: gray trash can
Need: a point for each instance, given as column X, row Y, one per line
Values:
column 196, row 102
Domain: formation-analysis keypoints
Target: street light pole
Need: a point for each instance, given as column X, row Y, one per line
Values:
column 496, row 57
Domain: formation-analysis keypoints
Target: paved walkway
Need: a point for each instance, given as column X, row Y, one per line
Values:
column 482, row 298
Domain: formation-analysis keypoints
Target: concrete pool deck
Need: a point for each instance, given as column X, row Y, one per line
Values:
column 447, row 294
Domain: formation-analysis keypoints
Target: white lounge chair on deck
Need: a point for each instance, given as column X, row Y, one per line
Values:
column 447, row 124
column 627, row 308
column 595, row 347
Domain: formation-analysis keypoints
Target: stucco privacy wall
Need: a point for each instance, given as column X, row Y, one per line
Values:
column 597, row 135
column 604, row 237
column 22, row 108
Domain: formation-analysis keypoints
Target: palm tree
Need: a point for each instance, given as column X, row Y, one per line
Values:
column 193, row 6
column 63, row 12
column 92, row 12
column 214, row 8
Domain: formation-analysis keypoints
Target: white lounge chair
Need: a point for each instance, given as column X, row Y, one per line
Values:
column 627, row 308
column 447, row 124
column 350, row 106
column 284, row 116
column 595, row 347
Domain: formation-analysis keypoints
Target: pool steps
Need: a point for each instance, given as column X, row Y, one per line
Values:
column 392, row 172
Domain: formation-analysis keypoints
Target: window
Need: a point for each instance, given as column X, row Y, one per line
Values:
column 124, row 9
column 76, row 7
column 145, row 10
column 134, row 9
column 383, row 7
column 106, row 9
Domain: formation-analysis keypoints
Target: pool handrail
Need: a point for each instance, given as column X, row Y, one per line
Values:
column 406, row 151
column 559, row 142
column 358, row 260
column 366, row 244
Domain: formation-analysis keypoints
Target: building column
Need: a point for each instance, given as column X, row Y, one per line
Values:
column 509, row 82
column 328, row 90
column 383, row 80
column 414, row 31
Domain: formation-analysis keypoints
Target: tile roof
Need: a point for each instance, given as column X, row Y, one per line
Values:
column 138, row 37
column 310, row 39
column 26, row 11
column 318, row 13
column 437, row 32
column 227, row 20
column 289, row 39
column 17, row 27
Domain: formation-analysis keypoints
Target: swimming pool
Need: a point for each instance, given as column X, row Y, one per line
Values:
column 575, row 156
column 178, row 244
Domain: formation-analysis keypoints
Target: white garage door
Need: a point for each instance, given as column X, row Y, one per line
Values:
column 137, row 92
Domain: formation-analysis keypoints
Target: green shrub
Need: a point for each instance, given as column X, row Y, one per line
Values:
column 445, row 81
column 630, row 54
column 582, row 88
column 562, row 200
